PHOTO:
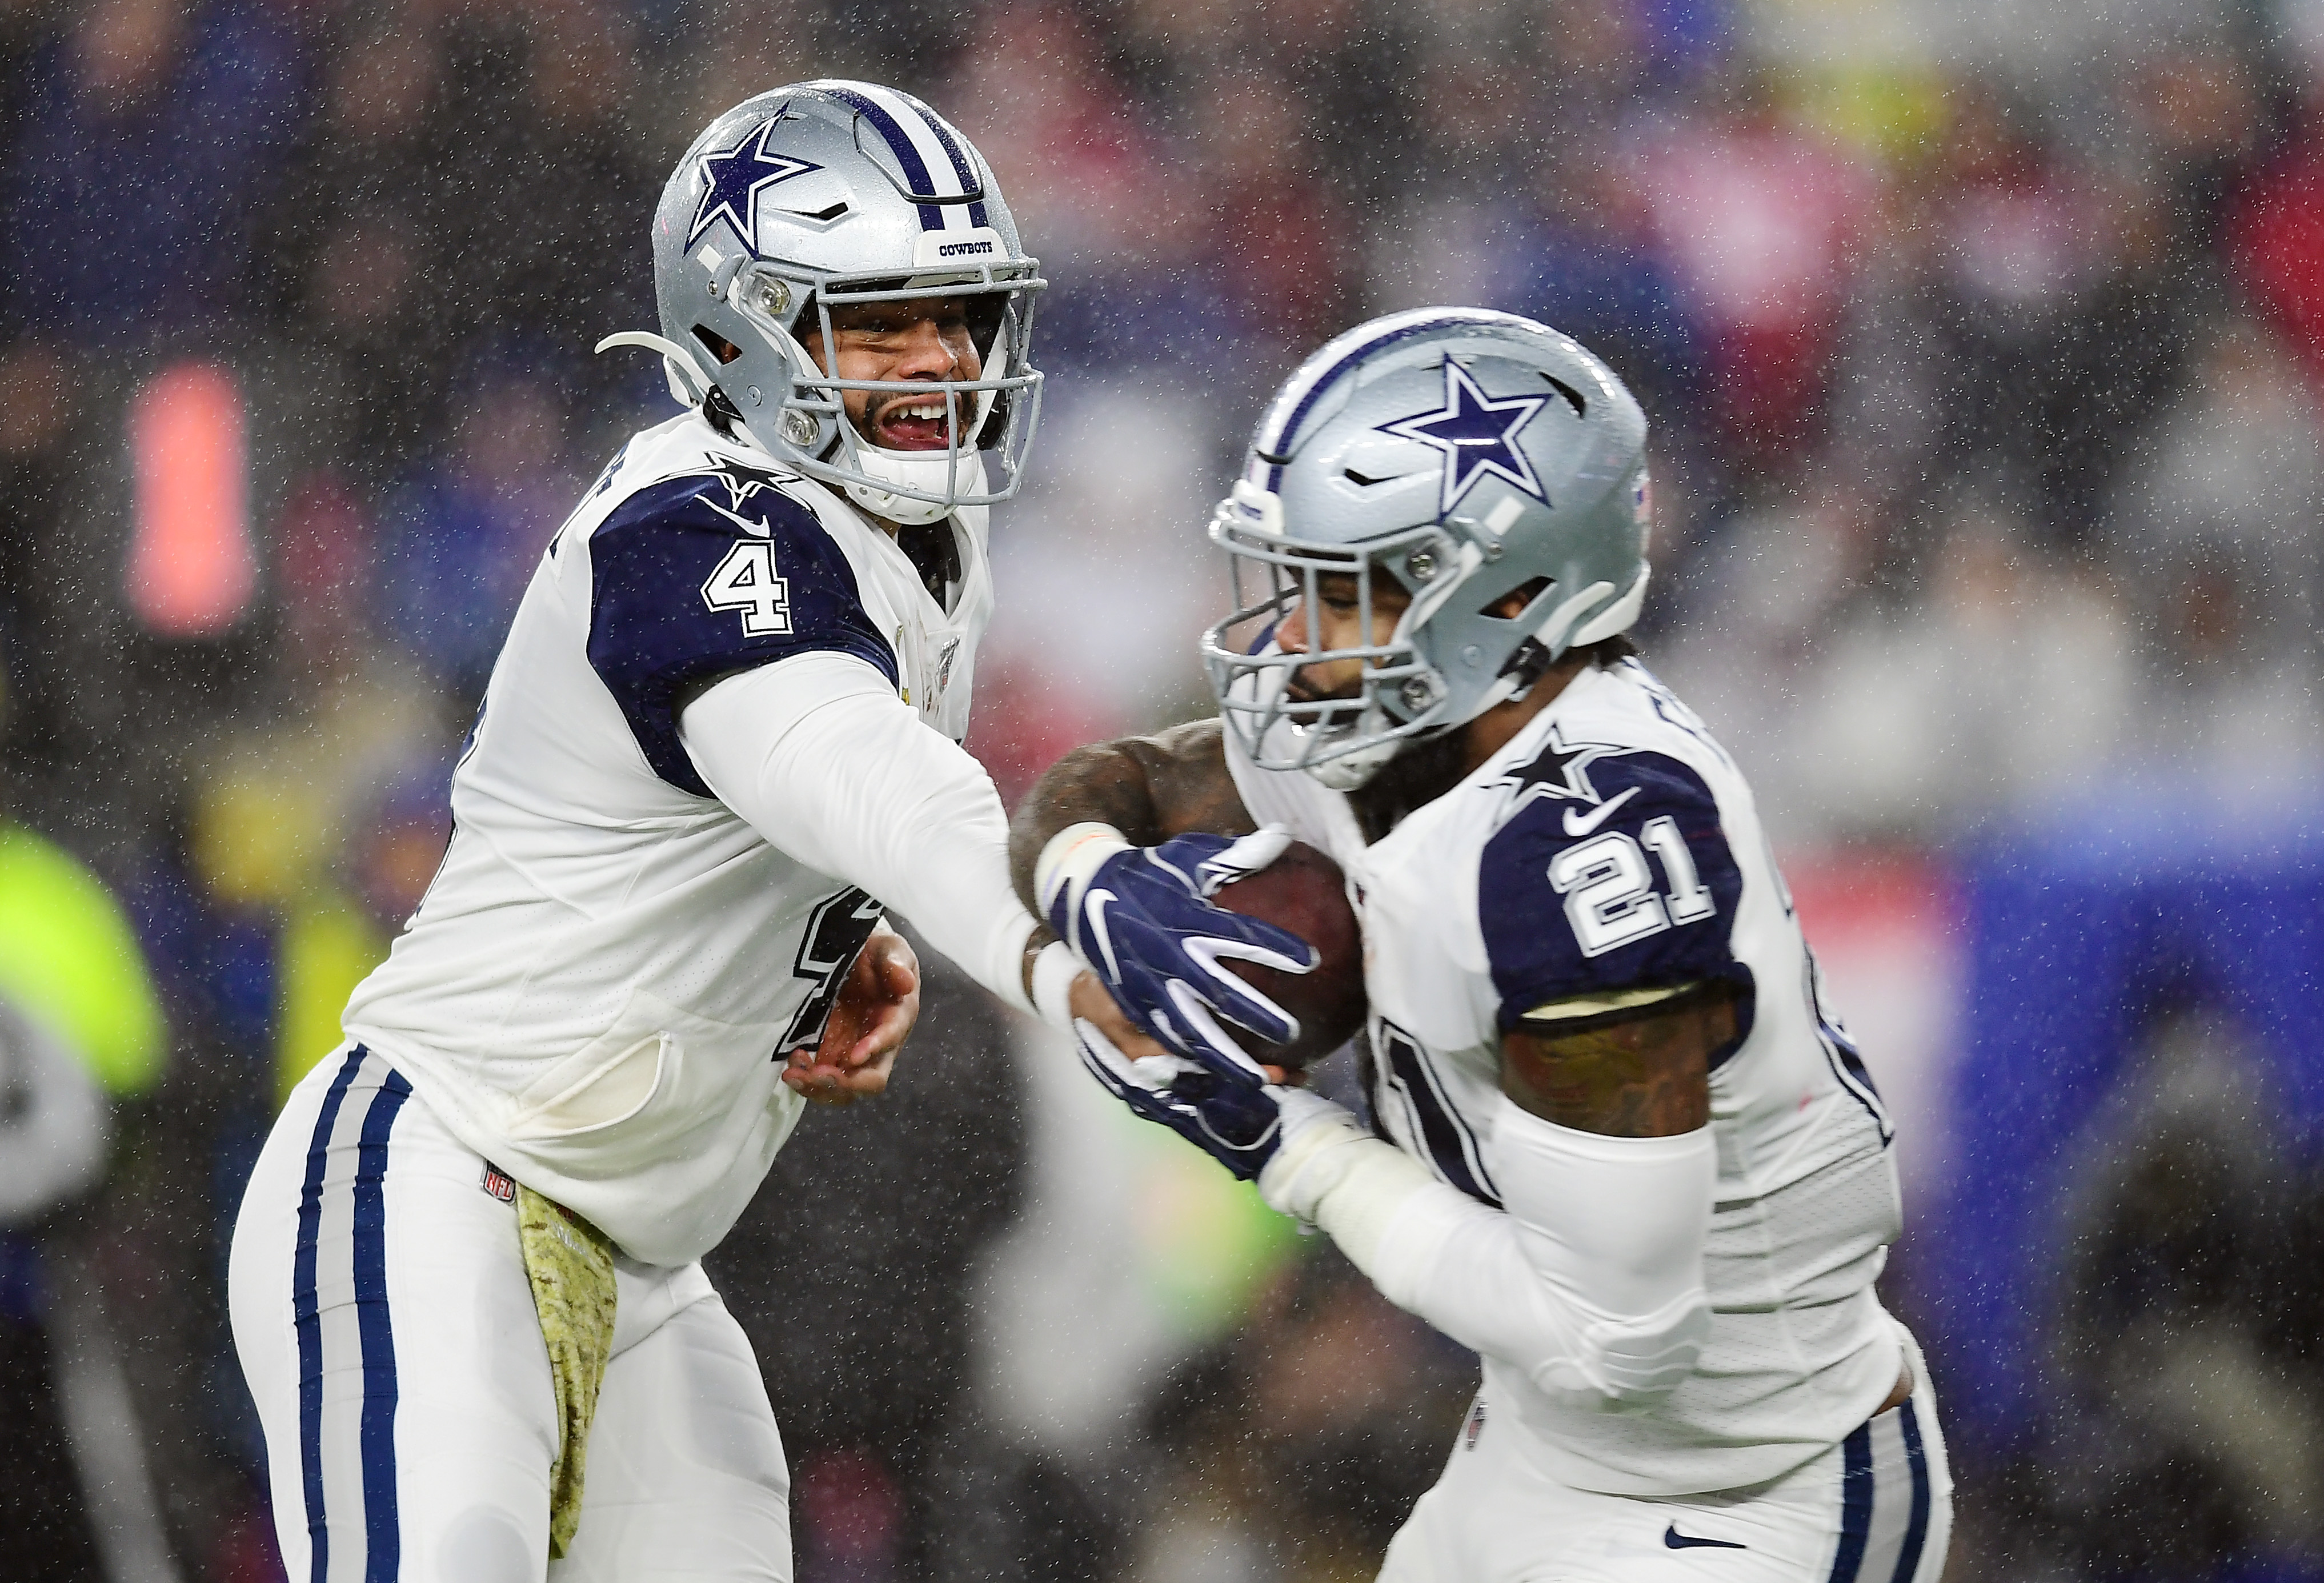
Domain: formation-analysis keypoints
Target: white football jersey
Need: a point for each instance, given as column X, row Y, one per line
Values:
column 1613, row 844
column 601, row 988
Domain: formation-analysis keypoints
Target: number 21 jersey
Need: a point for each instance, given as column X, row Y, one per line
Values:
column 1613, row 847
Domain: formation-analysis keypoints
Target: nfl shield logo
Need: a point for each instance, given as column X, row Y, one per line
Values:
column 498, row 1185
column 1473, row 1428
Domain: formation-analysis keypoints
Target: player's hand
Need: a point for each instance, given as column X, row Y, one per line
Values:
column 1090, row 1003
column 1240, row 1123
column 1236, row 1120
column 1141, row 918
column 878, row 1002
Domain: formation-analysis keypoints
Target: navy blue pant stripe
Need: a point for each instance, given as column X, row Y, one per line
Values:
column 899, row 143
column 1855, row 1504
column 1916, row 1531
column 382, row 1544
column 306, row 1318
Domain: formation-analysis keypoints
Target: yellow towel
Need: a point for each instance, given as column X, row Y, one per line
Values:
column 570, row 1264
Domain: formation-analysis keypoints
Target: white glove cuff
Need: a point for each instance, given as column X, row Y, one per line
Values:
column 1297, row 1179
column 1072, row 856
column 1359, row 1189
column 1053, row 971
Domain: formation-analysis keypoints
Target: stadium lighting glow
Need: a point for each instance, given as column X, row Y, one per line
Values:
column 191, row 568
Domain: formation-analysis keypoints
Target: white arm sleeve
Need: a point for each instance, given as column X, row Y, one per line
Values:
column 822, row 759
column 1589, row 1279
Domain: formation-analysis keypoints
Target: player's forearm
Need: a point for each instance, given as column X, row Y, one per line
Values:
column 831, row 767
column 1100, row 784
column 1590, row 1280
column 1150, row 788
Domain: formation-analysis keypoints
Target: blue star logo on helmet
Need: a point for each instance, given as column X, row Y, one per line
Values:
column 732, row 178
column 1477, row 435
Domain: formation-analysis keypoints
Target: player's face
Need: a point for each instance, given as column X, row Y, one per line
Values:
column 1337, row 622
column 924, row 340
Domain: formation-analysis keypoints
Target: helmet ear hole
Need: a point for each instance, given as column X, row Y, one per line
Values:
column 720, row 347
column 1516, row 602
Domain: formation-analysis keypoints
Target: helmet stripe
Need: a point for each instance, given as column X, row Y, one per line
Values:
column 960, row 166
column 910, row 118
column 900, row 144
column 946, row 171
column 1300, row 396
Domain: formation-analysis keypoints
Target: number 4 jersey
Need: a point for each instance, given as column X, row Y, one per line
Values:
column 602, row 985
column 1611, row 849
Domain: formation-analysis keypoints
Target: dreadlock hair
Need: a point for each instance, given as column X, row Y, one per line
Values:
column 1433, row 766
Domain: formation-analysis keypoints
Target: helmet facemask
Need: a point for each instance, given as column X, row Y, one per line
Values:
column 1401, row 696
column 809, row 428
column 1405, row 694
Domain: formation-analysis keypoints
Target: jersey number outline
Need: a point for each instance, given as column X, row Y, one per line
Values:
column 834, row 937
column 1840, row 1048
column 746, row 580
column 1609, row 890
column 1402, row 1071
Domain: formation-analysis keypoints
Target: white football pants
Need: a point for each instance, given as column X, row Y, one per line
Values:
column 1877, row 1508
column 383, row 1319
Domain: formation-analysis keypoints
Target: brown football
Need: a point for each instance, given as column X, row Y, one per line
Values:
column 1303, row 892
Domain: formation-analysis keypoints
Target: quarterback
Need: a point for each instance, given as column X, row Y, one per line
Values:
column 1617, row 1143
column 722, row 736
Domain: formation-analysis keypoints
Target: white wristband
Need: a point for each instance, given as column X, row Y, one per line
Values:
column 1053, row 971
column 1072, row 856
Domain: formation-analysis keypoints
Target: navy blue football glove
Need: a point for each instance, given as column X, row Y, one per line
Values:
column 1243, row 1126
column 1235, row 1120
column 1140, row 919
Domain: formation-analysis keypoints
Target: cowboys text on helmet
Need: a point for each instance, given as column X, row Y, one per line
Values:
column 835, row 197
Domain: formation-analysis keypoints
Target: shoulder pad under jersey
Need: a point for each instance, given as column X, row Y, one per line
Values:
column 699, row 576
column 1609, row 871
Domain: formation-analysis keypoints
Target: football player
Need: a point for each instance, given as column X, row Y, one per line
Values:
column 1618, row 1145
column 465, row 1285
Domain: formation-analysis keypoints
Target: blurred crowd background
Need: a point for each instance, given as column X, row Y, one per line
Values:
column 1983, row 344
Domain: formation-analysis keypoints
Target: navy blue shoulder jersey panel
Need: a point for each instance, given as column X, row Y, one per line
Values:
column 1612, row 872
column 700, row 576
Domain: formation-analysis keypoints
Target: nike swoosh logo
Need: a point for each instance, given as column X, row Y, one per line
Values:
column 1677, row 1541
column 1598, row 815
column 760, row 528
column 1093, row 912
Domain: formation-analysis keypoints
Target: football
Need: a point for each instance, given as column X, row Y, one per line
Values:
column 1305, row 892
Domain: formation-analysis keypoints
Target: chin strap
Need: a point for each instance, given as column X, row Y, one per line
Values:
column 926, row 471
column 679, row 366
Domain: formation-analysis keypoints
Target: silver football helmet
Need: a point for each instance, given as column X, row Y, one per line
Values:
column 829, row 193
column 1468, row 456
